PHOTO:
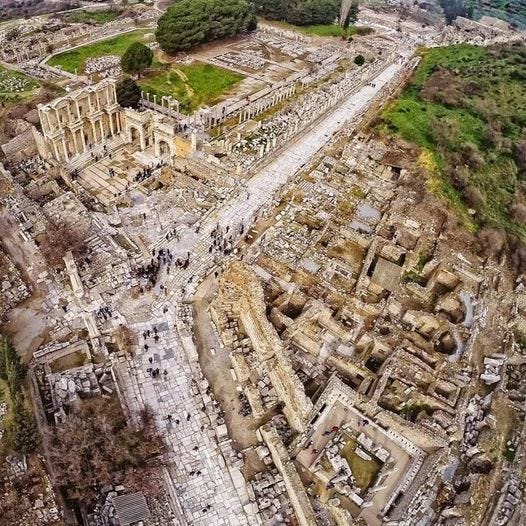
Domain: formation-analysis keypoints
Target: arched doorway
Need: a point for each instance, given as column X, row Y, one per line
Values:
column 164, row 149
column 135, row 136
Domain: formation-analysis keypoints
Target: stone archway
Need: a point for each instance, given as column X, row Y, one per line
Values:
column 135, row 136
column 164, row 149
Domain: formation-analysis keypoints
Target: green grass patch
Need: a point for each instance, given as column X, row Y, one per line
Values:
column 76, row 58
column 364, row 471
column 193, row 85
column 462, row 56
column 327, row 30
column 412, row 118
column 5, row 397
column 466, row 108
column 322, row 30
column 15, row 86
column 99, row 16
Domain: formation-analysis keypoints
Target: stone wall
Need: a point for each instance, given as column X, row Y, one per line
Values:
column 298, row 496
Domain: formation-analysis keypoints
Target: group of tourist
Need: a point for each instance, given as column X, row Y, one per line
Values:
column 143, row 174
column 221, row 241
column 104, row 313
column 159, row 258
column 154, row 372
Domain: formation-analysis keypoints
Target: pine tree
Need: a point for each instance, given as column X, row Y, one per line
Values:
column 128, row 93
column 12, row 370
column 137, row 58
column 24, row 432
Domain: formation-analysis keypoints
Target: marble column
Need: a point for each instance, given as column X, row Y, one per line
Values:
column 66, row 156
column 70, row 115
column 77, row 150
column 83, row 139
column 48, row 120
column 110, row 115
column 93, row 131
column 57, row 154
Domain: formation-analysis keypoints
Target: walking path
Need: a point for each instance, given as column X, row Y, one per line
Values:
column 262, row 187
column 206, row 493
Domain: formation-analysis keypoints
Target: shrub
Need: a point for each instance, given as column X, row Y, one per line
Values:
column 359, row 60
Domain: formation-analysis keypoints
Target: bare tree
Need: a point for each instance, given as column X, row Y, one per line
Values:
column 517, row 211
column 96, row 447
column 491, row 241
column 125, row 338
column 59, row 238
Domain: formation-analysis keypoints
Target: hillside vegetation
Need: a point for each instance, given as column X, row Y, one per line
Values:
column 466, row 108
column 514, row 11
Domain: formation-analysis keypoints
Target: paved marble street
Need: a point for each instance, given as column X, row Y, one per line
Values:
column 204, row 489
column 262, row 186
column 205, row 492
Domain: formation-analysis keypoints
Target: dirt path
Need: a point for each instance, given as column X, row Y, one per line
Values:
column 28, row 322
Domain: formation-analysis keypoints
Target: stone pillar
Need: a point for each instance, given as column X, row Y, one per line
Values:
column 83, row 138
column 70, row 115
column 102, row 131
column 89, row 104
column 93, row 130
column 66, row 156
column 78, row 110
column 57, row 154
column 98, row 100
column 48, row 120
column 110, row 115
column 77, row 149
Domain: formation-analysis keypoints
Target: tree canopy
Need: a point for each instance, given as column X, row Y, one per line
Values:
column 300, row 12
column 137, row 58
column 359, row 60
column 128, row 93
column 454, row 8
column 96, row 447
column 22, row 431
column 187, row 23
